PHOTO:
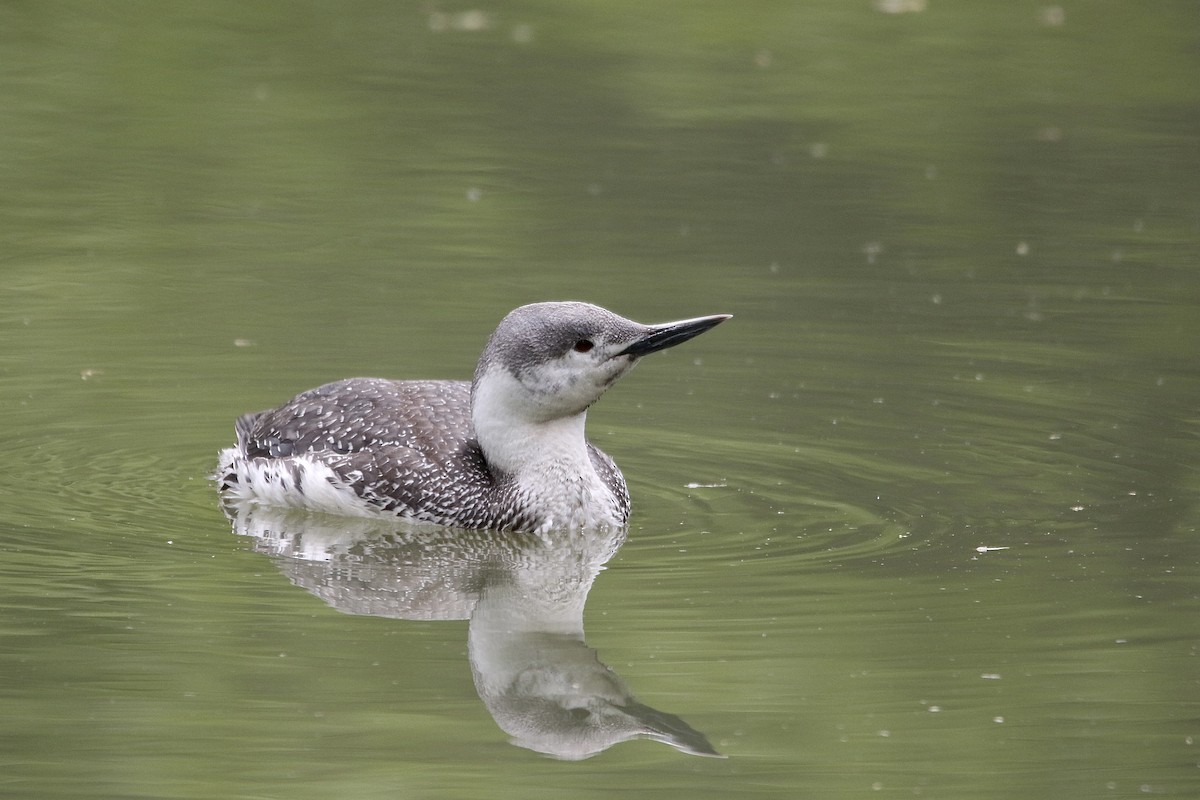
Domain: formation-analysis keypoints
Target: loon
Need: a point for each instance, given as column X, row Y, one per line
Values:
column 505, row 451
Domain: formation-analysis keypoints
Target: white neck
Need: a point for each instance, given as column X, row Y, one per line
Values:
column 511, row 434
column 547, row 458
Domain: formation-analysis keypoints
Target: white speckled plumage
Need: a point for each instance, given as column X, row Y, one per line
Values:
column 505, row 451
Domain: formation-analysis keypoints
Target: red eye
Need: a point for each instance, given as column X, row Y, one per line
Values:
column 583, row 345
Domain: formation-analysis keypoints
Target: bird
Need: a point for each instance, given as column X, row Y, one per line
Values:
column 506, row 451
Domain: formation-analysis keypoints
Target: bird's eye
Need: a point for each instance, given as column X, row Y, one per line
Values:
column 583, row 345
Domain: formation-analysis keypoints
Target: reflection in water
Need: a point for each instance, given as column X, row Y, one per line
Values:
column 524, row 596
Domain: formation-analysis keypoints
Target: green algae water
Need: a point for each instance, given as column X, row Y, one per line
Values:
column 921, row 520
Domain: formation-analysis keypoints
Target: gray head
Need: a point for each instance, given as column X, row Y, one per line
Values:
column 556, row 359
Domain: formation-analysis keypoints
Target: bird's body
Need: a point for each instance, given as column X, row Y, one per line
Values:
column 505, row 451
column 407, row 448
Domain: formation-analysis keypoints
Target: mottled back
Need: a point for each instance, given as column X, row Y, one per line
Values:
column 405, row 447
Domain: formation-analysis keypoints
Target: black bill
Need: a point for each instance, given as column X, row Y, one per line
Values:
column 669, row 334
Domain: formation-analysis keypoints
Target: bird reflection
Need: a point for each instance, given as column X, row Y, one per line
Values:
column 523, row 595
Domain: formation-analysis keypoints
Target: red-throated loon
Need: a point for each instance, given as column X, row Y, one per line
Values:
column 505, row 451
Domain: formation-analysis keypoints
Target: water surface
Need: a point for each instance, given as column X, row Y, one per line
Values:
column 920, row 521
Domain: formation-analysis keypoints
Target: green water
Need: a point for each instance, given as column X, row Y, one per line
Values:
column 921, row 520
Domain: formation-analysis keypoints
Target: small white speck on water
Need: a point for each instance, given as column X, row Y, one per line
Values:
column 1052, row 16
column 900, row 6
column 522, row 33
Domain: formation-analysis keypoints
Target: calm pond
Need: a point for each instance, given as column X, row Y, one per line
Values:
column 921, row 520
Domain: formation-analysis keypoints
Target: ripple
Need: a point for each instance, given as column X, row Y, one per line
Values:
column 820, row 506
column 106, row 482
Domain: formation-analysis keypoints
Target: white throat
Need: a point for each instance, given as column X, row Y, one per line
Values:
column 512, row 436
column 547, row 458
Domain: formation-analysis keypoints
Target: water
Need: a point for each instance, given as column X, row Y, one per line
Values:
column 920, row 520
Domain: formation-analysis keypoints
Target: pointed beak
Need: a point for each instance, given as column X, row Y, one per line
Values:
column 669, row 334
